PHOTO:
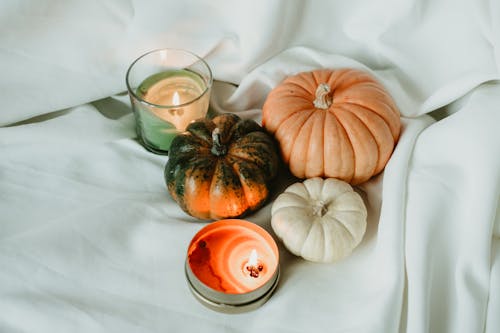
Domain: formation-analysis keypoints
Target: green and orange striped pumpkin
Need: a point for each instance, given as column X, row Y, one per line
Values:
column 221, row 168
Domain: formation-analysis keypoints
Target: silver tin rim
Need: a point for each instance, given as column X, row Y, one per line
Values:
column 231, row 303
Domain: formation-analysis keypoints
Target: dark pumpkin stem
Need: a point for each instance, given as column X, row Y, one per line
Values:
column 218, row 149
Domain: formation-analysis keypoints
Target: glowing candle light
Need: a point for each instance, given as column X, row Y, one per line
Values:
column 168, row 90
column 176, row 99
column 253, row 267
column 232, row 265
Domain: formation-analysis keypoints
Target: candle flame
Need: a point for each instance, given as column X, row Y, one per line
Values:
column 253, row 267
column 176, row 100
column 252, row 260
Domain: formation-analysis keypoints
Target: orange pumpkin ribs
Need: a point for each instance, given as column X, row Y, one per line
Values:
column 333, row 123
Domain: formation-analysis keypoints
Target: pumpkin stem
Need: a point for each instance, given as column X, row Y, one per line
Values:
column 319, row 208
column 218, row 149
column 323, row 98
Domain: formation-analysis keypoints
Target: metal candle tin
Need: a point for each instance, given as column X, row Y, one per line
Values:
column 215, row 266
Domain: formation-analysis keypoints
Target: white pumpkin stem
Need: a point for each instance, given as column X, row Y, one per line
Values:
column 323, row 98
column 319, row 209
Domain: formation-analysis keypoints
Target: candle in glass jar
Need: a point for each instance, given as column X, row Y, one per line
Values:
column 168, row 89
column 174, row 99
column 232, row 265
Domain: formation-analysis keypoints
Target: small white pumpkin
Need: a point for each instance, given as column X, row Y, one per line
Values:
column 321, row 220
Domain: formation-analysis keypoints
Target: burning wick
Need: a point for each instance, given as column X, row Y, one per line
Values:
column 253, row 266
column 176, row 100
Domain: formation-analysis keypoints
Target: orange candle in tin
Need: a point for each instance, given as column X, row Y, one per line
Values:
column 232, row 262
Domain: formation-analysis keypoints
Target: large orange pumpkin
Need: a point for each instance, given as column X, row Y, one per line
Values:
column 333, row 123
column 221, row 168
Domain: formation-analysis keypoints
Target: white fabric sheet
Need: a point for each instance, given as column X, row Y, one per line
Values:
column 90, row 240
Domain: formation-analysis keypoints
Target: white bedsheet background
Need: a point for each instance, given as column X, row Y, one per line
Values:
column 90, row 240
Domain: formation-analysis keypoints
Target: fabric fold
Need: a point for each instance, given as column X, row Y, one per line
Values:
column 91, row 241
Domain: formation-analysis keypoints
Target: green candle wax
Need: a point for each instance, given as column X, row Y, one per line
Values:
column 170, row 101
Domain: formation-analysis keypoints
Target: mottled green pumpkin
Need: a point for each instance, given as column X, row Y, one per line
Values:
column 221, row 168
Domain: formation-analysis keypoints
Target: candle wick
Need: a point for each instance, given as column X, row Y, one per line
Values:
column 255, row 270
column 176, row 112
